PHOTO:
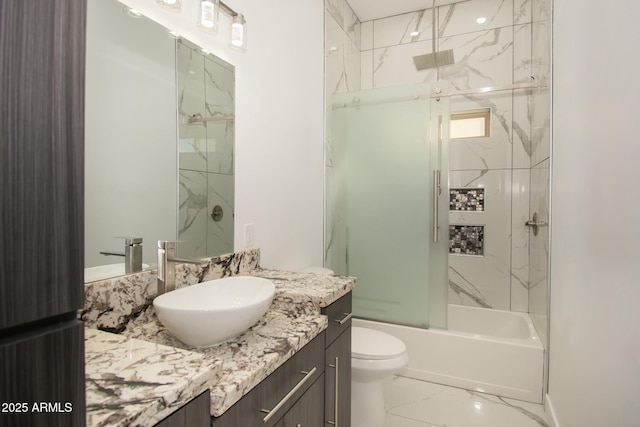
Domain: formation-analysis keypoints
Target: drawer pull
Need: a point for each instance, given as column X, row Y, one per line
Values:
column 335, row 397
column 272, row 412
column 344, row 320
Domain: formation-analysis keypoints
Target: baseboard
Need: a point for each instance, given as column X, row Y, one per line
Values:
column 550, row 412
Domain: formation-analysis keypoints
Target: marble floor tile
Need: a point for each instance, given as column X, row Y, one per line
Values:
column 414, row 403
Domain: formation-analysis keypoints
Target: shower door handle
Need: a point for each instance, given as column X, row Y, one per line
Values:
column 437, row 190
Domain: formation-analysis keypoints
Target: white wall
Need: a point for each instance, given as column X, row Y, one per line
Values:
column 595, row 283
column 279, row 123
column 279, row 131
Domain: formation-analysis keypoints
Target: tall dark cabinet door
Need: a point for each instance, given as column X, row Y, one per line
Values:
column 41, row 212
column 42, row 50
column 42, row 375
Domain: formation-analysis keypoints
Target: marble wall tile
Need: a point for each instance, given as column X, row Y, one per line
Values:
column 522, row 12
column 366, row 68
column 192, row 214
column 353, row 27
column 366, row 36
column 520, row 240
column 484, row 281
column 541, row 50
column 342, row 65
column 540, row 125
column 335, row 72
column 336, row 198
column 336, row 9
column 539, row 249
column 396, row 30
column 522, row 115
column 494, row 152
column 522, row 70
column 345, row 18
column 220, row 102
column 219, row 88
column 460, row 18
column 220, row 233
column 482, row 59
column 541, row 10
column 192, row 142
column 220, row 147
column 394, row 66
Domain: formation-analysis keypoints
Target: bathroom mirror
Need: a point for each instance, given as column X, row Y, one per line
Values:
column 159, row 135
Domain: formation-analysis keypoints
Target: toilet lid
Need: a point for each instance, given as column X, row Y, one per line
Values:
column 371, row 344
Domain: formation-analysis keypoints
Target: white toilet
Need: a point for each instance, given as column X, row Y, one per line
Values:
column 375, row 356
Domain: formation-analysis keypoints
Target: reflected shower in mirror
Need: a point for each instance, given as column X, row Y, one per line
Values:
column 158, row 157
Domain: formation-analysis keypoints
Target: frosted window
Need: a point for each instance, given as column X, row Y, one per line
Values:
column 470, row 124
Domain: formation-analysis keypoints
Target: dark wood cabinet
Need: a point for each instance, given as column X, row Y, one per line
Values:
column 193, row 414
column 338, row 363
column 42, row 45
column 268, row 402
column 312, row 389
column 42, row 51
column 308, row 410
column 42, row 375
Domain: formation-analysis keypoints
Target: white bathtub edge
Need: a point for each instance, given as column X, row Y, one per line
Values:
column 474, row 373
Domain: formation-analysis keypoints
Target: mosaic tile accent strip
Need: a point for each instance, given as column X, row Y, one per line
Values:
column 466, row 239
column 466, row 199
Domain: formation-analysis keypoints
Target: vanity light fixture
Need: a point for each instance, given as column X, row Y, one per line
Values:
column 208, row 11
column 174, row 5
column 207, row 19
column 238, row 33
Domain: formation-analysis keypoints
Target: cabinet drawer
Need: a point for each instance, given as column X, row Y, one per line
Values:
column 338, row 381
column 274, row 396
column 339, row 314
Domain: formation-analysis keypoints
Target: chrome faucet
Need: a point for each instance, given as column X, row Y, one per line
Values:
column 132, row 254
column 166, row 266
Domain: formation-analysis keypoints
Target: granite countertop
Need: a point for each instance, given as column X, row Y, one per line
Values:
column 241, row 363
column 133, row 382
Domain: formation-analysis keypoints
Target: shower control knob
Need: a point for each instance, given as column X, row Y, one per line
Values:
column 534, row 223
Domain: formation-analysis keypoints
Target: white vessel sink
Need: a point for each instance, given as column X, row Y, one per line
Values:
column 209, row 313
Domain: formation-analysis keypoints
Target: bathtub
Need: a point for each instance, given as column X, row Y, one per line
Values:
column 492, row 351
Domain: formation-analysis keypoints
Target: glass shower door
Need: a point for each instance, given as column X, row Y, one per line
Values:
column 386, row 141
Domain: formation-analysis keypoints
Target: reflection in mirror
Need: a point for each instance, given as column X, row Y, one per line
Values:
column 206, row 131
column 139, row 182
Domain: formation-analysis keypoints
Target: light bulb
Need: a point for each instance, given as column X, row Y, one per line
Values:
column 238, row 32
column 173, row 5
column 208, row 19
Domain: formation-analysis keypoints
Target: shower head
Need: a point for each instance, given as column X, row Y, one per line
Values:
column 436, row 58
column 433, row 60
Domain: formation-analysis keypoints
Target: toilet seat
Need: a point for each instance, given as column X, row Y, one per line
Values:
column 370, row 344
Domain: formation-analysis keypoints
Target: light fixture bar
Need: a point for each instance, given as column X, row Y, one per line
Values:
column 228, row 10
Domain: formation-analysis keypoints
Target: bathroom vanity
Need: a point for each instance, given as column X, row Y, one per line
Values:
column 291, row 368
